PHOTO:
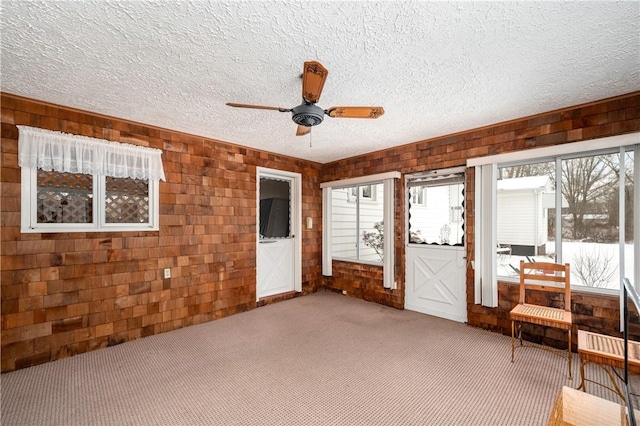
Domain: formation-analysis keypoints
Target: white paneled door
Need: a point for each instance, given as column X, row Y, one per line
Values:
column 436, row 281
column 279, row 250
column 436, row 258
column 275, row 274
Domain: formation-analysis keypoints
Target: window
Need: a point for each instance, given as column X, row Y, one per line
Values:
column 126, row 200
column 571, row 203
column 275, row 208
column 455, row 215
column 64, row 197
column 73, row 183
column 525, row 215
column 417, row 196
column 582, row 230
column 436, row 205
column 355, row 228
column 367, row 193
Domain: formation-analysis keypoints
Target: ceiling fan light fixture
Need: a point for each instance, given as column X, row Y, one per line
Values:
column 307, row 115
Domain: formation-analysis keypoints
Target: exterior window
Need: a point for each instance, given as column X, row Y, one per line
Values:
column 275, row 208
column 580, row 227
column 79, row 184
column 74, row 202
column 367, row 193
column 455, row 214
column 64, row 198
column 525, row 193
column 360, row 231
column 357, row 227
column 126, row 200
column 418, row 196
column 590, row 234
column 436, row 207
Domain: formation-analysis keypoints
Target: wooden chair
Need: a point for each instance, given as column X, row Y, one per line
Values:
column 548, row 277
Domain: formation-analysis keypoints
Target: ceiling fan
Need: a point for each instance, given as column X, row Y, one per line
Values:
column 307, row 114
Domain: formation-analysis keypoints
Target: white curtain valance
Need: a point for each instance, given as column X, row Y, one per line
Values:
column 63, row 152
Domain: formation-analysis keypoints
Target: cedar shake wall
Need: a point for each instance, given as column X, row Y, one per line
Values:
column 68, row 293
column 599, row 119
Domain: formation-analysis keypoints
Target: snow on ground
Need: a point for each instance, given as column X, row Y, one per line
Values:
column 605, row 257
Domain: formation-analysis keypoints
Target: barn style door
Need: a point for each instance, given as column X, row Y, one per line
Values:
column 435, row 270
column 279, row 250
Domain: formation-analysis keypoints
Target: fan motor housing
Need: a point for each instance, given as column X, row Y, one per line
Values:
column 307, row 115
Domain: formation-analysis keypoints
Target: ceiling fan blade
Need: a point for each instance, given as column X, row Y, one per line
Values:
column 231, row 104
column 355, row 112
column 303, row 130
column 313, row 78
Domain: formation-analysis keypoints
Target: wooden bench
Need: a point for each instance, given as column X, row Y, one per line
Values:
column 608, row 353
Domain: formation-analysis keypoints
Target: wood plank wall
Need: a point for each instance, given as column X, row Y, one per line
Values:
column 64, row 294
column 69, row 293
column 599, row 119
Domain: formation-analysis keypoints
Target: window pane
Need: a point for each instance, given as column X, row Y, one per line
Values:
column 371, row 226
column 590, row 220
column 367, row 191
column 525, row 214
column 275, row 208
column 64, row 197
column 344, row 232
column 417, row 196
column 126, row 200
column 436, row 213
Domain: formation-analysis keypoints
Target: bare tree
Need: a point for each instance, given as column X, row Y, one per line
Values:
column 526, row 170
column 614, row 164
column 594, row 267
column 585, row 181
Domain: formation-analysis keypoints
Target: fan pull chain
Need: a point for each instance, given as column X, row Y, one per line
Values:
column 310, row 141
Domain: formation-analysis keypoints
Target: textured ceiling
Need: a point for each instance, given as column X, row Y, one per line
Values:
column 436, row 68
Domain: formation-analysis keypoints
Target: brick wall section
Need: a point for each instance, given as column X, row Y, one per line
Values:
column 69, row 293
column 604, row 118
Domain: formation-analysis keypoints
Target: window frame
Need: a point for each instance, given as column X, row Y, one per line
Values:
column 29, row 208
column 484, row 265
column 433, row 179
column 388, row 181
column 53, row 151
column 360, row 189
column 368, row 200
column 557, row 161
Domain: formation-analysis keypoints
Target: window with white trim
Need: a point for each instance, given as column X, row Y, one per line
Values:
column 79, row 184
column 367, row 193
column 418, row 196
column 436, row 208
column 357, row 223
column 571, row 203
column 357, row 231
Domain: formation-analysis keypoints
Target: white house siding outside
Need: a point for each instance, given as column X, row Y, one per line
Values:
column 438, row 219
column 521, row 216
column 345, row 236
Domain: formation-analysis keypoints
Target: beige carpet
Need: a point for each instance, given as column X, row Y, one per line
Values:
column 314, row 360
